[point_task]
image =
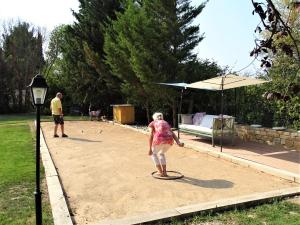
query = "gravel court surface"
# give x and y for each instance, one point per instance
(106, 173)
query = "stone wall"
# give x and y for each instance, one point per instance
(288, 139)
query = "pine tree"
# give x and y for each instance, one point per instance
(151, 42)
(83, 54)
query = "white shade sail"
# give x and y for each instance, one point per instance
(229, 81)
(179, 85)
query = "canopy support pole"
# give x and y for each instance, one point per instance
(235, 102)
(180, 107)
(222, 102)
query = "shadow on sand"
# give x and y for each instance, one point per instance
(82, 139)
(215, 183)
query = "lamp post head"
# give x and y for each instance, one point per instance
(39, 88)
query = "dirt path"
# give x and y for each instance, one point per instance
(105, 171)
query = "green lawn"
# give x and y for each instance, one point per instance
(17, 173)
(277, 213)
(23, 118)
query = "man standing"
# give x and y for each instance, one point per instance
(58, 117)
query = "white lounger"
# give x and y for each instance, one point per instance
(210, 126)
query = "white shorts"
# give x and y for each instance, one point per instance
(160, 149)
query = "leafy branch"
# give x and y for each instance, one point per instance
(273, 23)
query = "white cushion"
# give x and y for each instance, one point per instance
(207, 121)
(196, 128)
(225, 116)
(202, 129)
(187, 119)
(198, 118)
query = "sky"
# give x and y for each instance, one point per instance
(43, 13)
(228, 26)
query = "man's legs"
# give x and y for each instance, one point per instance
(55, 130)
(56, 122)
(62, 128)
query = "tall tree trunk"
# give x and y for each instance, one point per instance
(20, 98)
(12, 100)
(27, 99)
(174, 113)
(191, 105)
(148, 113)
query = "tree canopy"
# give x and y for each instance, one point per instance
(117, 51)
(78, 59)
(152, 42)
(278, 49)
(21, 57)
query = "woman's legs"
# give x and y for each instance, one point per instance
(160, 162)
(163, 163)
(157, 163)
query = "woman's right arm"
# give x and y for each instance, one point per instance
(150, 140)
(180, 144)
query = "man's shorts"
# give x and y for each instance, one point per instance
(58, 119)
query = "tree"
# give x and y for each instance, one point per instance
(55, 48)
(152, 41)
(54, 61)
(82, 53)
(279, 51)
(23, 56)
(4, 88)
(280, 22)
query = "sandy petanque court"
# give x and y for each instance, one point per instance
(106, 173)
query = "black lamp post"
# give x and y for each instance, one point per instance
(38, 87)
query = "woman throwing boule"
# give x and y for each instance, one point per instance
(161, 139)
